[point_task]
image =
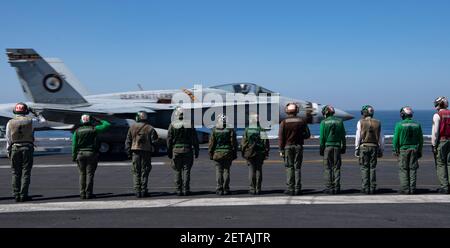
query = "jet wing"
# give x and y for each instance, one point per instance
(6, 110)
(112, 111)
(118, 111)
(100, 109)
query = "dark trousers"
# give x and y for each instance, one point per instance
(443, 164)
(408, 163)
(141, 167)
(255, 173)
(21, 164)
(368, 158)
(223, 175)
(182, 164)
(293, 162)
(87, 165)
(332, 167)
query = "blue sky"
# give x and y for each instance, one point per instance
(347, 53)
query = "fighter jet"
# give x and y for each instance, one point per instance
(55, 93)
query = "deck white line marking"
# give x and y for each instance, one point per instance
(214, 202)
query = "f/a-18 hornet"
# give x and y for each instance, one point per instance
(56, 94)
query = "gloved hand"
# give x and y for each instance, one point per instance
(322, 151)
(196, 154)
(357, 153)
(33, 111)
(434, 149)
(8, 151)
(282, 154)
(96, 120)
(343, 150)
(380, 153)
(211, 155)
(170, 154)
(419, 154)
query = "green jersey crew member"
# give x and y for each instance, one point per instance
(223, 150)
(20, 147)
(255, 149)
(440, 140)
(139, 146)
(332, 145)
(291, 135)
(182, 146)
(85, 151)
(407, 145)
(369, 146)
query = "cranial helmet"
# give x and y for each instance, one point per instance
(86, 119)
(221, 120)
(21, 109)
(178, 112)
(328, 110)
(141, 116)
(406, 112)
(367, 110)
(253, 119)
(441, 102)
(291, 108)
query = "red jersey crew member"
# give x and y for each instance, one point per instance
(440, 140)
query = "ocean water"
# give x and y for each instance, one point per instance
(388, 120)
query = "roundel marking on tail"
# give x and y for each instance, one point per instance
(52, 83)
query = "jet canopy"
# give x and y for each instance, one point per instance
(243, 88)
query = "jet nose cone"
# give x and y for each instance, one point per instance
(343, 115)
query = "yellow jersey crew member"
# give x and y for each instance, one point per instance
(440, 140)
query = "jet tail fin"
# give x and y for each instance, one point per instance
(42, 82)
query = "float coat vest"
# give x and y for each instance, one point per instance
(87, 138)
(21, 130)
(444, 125)
(370, 131)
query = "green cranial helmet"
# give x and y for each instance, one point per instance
(328, 110)
(406, 112)
(141, 116)
(367, 110)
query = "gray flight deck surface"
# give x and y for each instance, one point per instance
(54, 188)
